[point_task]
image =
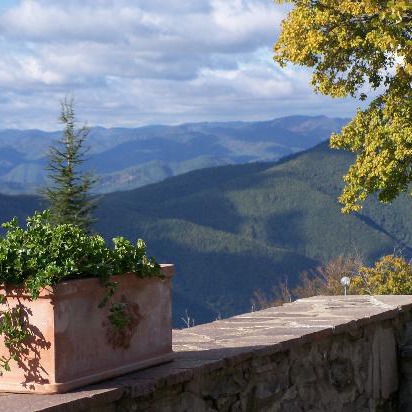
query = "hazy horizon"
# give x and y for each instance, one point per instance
(80, 123)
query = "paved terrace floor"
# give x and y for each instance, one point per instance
(207, 347)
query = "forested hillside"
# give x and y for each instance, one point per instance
(232, 230)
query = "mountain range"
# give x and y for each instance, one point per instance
(126, 159)
(232, 230)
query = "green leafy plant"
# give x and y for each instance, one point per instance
(44, 254)
(360, 49)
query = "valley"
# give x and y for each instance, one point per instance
(232, 230)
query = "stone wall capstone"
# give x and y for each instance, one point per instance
(326, 353)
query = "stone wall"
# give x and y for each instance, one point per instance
(350, 353)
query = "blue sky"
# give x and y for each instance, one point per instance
(135, 62)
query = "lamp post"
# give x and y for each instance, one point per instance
(345, 282)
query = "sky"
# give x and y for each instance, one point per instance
(137, 62)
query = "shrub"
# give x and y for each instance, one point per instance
(325, 280)
(45, 254)
(391, 275)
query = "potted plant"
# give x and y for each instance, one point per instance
(73, 311)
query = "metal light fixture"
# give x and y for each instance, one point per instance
(345, 282)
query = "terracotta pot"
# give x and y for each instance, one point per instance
(71, 341)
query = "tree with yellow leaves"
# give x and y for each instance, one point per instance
(391, 275)
(355, 48)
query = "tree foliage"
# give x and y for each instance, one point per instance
(358, 48)
(326, 279)
(391, 275)
(68, 192)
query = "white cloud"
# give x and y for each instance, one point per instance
(135, 61)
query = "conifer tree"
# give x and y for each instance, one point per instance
(68, 190)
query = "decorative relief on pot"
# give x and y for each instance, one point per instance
(122, 322)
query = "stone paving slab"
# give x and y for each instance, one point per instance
(319, 314)
(209, 347)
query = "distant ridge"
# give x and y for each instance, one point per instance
(127, 158)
